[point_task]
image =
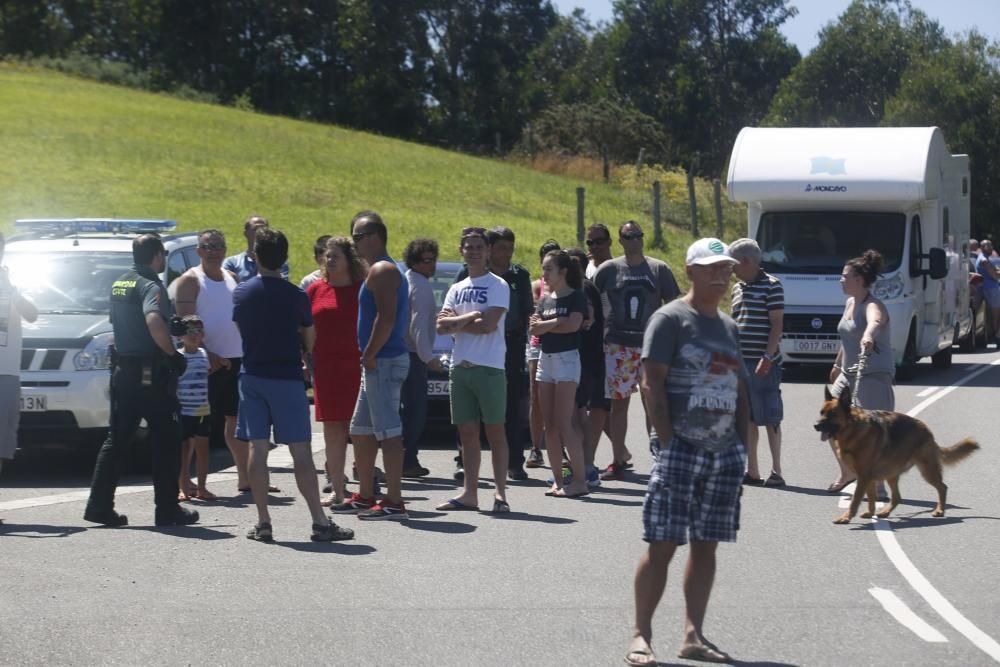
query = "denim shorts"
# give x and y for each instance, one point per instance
(531, 351)
(556, 367)
(766, 407)
(267, 402)
(377, 410)
(992, 297)
(693, 493)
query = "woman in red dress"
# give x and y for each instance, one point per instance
(336, 357)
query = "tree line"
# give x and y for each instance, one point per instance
(674, 78)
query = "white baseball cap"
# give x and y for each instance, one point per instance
(708, 251)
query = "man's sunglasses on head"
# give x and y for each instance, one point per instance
(213, 245)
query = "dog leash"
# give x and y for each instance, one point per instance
(858, 369)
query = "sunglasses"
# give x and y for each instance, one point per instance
(593, 242)
(192, 331)
(427, 260)
(212, 246)
(630, 237)
(473, 230)
(357, 237)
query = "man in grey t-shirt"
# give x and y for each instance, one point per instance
(632, 288)
(694, 385)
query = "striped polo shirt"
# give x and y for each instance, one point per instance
(192, 387)
(752, 303)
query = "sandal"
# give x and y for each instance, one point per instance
(752, 481)
(704, 653)
(775, 480)
(643, 652)
(331, 532)
(837, 488)
(500, 506)
(261, 533)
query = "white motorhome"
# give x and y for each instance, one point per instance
(817, 197)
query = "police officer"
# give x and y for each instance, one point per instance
(143, 385)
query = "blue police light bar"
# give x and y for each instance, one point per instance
(94, 225)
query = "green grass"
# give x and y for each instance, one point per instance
(76, 148)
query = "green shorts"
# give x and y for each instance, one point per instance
(478, 394)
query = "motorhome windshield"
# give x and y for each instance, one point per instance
(822, 241)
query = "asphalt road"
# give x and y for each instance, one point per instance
(551, 583)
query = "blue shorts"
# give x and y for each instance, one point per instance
(992, 297)
(693, 492)
(377, 410)
(267, 402)
(766, 407)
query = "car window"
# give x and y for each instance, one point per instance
(443, 278)
(191, 255)
(67, 282)
(176, 265)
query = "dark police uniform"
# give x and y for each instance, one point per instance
(142, 386)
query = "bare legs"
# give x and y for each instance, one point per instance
(335, 439)
(365, 452)
(774, 443)
(535, 421)
(651, 578)
(496, 436)
(305, 479)
(240, 450)
(558, 402)
(619, 428)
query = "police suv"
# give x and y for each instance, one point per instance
(66, 267)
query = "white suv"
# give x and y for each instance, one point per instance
(66, 268)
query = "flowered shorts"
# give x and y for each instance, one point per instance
(622, 370)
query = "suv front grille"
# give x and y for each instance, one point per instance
(48, 360)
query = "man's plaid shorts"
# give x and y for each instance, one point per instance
(693, 493)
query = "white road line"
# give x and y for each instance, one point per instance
(883, 529)
(277, 458)
(927, 392)
(902, 613)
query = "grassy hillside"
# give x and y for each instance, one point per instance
(78, 148)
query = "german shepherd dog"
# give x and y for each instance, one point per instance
(882, 445)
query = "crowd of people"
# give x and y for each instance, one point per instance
(592, 330)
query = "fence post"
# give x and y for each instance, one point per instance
(694, 204)
(657, 224)
(580, 193)
(717, 193)
(605, 164)
(498, 148)
(640, 161)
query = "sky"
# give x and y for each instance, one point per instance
(955, 16)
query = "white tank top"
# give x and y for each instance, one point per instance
(215, 308)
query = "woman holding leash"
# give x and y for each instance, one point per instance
(864, 362)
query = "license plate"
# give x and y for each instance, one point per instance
(437, 387)
(822, 346)
(34, 403)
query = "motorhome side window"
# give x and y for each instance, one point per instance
(820, 242)
(916, 246)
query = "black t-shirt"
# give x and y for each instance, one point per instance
(550, 307)
(592, 339)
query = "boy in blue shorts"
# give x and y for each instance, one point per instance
(275, 321)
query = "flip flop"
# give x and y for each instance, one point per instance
(557, 494)
(261, 533)
(704, 654)
(500, 506)
(837, 488)
(270, 489)
(208, 495)
(455, 505)
(644, 652)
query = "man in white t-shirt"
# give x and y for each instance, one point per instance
(598, 248)
(13, 308)
(474, 312)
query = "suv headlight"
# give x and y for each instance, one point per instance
(889, 288)
(95, 356)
